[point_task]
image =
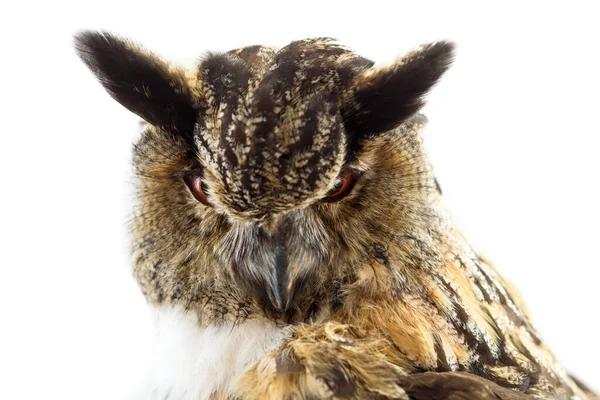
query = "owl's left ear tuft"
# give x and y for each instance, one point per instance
(379, 99)
(138, 80)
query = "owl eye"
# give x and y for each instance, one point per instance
(341, 189)
(198, 187)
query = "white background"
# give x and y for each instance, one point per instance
(513, 136)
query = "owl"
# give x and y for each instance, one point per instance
(291, 236)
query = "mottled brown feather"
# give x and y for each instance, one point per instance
(382, 295)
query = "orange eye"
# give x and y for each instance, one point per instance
(342, 189)
(198, 188)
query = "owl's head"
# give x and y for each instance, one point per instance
(269, 174)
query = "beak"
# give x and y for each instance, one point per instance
(267, 269)
(280, 277)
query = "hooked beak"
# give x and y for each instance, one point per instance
(272, 263)
(280, 277)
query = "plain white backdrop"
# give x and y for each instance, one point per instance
(513, 137)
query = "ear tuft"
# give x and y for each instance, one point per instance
(140, 81)
(382, 98)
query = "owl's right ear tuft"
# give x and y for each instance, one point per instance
(380, 99)
(138, 80)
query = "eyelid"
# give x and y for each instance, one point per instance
(348, 180)
(338, 181)
(197, 186)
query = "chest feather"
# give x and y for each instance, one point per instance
(191, 363)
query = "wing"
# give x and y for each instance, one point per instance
(338, 363)
(455, 386)
(421, 386)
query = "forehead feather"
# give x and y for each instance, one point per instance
(272, 133)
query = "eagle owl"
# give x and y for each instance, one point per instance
(290, 233)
